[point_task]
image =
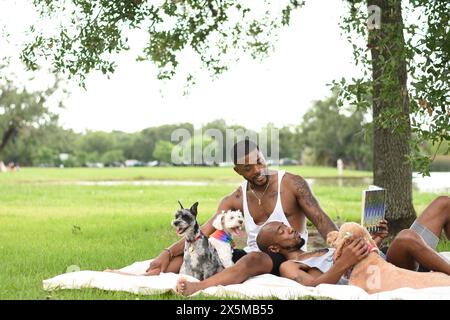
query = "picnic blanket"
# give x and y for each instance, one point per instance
(259, 287)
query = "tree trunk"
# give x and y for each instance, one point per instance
(391, 169)
(6, 137)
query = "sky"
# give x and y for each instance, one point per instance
(310, 54)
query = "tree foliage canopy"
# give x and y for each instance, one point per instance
(333, 135)
(217, 31)
(91, 31)
(22, 111)
(427, 55)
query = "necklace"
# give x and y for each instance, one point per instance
(254, 193)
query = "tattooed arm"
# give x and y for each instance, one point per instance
(311, 208)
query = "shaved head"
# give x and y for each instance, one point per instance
(266, 235)
(278, 237)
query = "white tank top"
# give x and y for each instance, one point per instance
(252, 229)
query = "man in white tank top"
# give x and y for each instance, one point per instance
(264, 196)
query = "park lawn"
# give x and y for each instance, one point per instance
(46, 227)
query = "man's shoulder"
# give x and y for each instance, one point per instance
(237, 192)
(293, 178)
(296, 183)
(235, 198)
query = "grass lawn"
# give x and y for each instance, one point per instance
(217, 174)
(46, 227)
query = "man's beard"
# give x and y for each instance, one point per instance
(255, 182)
(296, 246)
(265, 174)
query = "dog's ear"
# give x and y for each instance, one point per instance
(193, 209)
(218, 221)
(342, 242)
(180, 204)
(331, 238)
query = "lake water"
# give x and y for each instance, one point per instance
(142, 183)
(438, 182)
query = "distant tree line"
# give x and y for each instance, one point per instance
(31, 136)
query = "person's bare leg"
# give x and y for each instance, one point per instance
(408, 249)
(447, 230)
(250, 265)
(175, 264)
(436, 217)
(399, 251)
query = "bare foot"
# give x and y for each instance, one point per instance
(187, 288)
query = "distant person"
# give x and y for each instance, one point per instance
(340, 167)
(11, 166)
(3, 168)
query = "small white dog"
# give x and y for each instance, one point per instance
(227, 224)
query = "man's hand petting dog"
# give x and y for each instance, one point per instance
(353, 253)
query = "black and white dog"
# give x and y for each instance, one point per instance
(200, 259)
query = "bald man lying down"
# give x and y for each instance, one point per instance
(411, 248)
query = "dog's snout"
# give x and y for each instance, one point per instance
(241, 221)
(175, 222)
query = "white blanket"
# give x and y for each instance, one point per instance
(259, 287)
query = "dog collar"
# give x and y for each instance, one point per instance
(196, 238)
(222, 236)
(372, 248)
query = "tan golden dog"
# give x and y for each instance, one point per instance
(373, 273)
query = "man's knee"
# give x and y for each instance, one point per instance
(443, 202)
(407, 238)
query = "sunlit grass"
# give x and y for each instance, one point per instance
(46, 227)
